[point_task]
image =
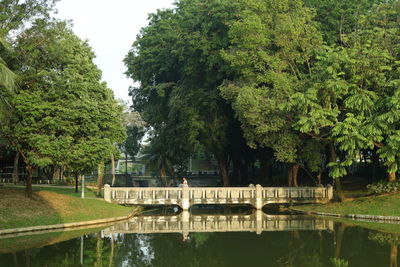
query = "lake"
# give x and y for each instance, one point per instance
(209, 237)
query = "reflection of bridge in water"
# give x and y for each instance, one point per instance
(186, 222)
(185, 197)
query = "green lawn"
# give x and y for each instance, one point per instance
(51, 205)
(386, 205)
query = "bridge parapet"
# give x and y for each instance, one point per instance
(185, 197)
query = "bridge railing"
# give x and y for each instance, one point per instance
(188, 196)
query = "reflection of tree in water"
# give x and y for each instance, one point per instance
(387, 239)
(302, 248)
(158, 249)
(67, 253)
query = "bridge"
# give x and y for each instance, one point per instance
(186, 196)
(185, 223)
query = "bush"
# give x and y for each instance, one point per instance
(384, 187)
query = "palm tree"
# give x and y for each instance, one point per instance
(159, 159)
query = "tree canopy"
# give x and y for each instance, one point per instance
(313, 81)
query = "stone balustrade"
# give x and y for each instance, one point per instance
(185, 197)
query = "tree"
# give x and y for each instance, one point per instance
(178, 63)
(338, 18)
(273, 47)
(63, 115)
(352, 98)
(17, 14)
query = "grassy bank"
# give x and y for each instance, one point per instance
(52, 205)
(385, 205)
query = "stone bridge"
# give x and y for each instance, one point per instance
(186, 223)
(186, 196)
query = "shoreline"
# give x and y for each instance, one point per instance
(360, 217)
(32, 229)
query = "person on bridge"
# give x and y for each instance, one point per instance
(184, 182)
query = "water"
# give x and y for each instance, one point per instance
(208, 239)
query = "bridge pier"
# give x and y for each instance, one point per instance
(107, 192)
(185, 198)
(259, 202)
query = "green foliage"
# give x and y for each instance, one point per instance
(272, 47)
(62, 114)
(384, 238)
(299, 78)
(337, 262)
(177, 61)
(15, 14)
(384, 187)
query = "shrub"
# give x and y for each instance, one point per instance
(384, 187)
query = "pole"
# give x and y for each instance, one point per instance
(126, 168)
(76, 182)
(83, 186)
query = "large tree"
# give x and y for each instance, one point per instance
(178, 63)
(62, 114)
(273, 48)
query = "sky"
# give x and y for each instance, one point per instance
(111, 28)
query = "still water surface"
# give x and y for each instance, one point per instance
(196, 239)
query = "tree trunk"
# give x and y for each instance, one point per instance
(100, 175)
(76, 182)
(15, 177)
(29, 170)
(295, 171)
(223, 168)
(339, 191)
(375, 164)
(392, 176)
(290, 178)
(61, 173)
(163, 174)
(393, 255)
(112, 170)
(319, 177)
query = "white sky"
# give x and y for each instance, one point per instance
(111, 27)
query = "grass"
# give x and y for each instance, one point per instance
(52, 205)
(386, 205)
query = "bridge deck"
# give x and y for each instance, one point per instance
(187, 196)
